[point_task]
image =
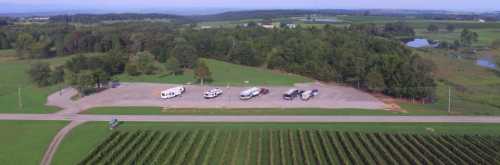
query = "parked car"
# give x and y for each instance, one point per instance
(212, 93)
(250, 93)
(306, 95)
(291, 94)
(172, 92)
(264, 91)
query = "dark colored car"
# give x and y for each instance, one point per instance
(291, 94)
(264, 91)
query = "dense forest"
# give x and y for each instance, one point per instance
(365, 60)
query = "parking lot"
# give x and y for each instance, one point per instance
(148, 95)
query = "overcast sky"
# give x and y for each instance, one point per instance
(346, 4)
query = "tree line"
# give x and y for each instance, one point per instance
(364, 60)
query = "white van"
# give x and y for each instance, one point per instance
(309, 94)
(250, 93)
(172, 92)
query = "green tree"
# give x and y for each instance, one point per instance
(433, 28)
(132, 69)
(24, 43)
(57, 75)
(4, 41)
(450, 28)
(467, 37)
(185, 54)
(172, 65)
(375, 81)
(145, 62)
(202, 72)
(40, 73)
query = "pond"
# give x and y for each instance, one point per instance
(486, 62)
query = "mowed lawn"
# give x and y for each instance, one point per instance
(17, 93)
(223, 73)
(24, 142)
(82, 140)
(251, 111)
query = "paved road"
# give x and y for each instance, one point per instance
(315, 119)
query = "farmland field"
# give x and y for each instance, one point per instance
(486, 35)
(290, 146)
(80, 142)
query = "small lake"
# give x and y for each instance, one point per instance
(486, 63)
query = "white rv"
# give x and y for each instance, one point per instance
(250, 93)
(212, 93)
(172, 92)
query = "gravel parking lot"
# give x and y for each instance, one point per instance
(148, 94)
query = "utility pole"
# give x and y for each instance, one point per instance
(449, 99)
(19, 98)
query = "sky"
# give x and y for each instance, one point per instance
(462, 5)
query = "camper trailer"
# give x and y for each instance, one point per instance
(250, 93)
(309, 94)
(292, 93)
(212, 93)
(172, 92)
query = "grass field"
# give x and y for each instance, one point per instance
(243, 143)
(475, 90)
(296, 111)
(24, 142)
(224, 73)
(14, 77)
(486, 35)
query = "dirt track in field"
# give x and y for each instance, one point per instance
(147, 94)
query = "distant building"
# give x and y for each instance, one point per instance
(291, 25)
(206, 27)
(38, 19)
(267, 23)
(481, 21)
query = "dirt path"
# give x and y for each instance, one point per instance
(51, 150)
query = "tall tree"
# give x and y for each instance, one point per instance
(433, 28)
(24, 43)
(202, 72)
(40, 73)
(185, 54)
(172, 65)
(467, 37)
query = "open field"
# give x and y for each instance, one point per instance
(14, 77)
(263, 143)
(475, 90)
(486, 35)
(224, 73)
(24, 142)
(145, 94)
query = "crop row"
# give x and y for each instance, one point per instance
(290, 147)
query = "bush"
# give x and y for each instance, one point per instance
(132, 69)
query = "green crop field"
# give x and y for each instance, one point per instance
(24, 142)
(81, 142)
(224, 73)
(290, 146)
